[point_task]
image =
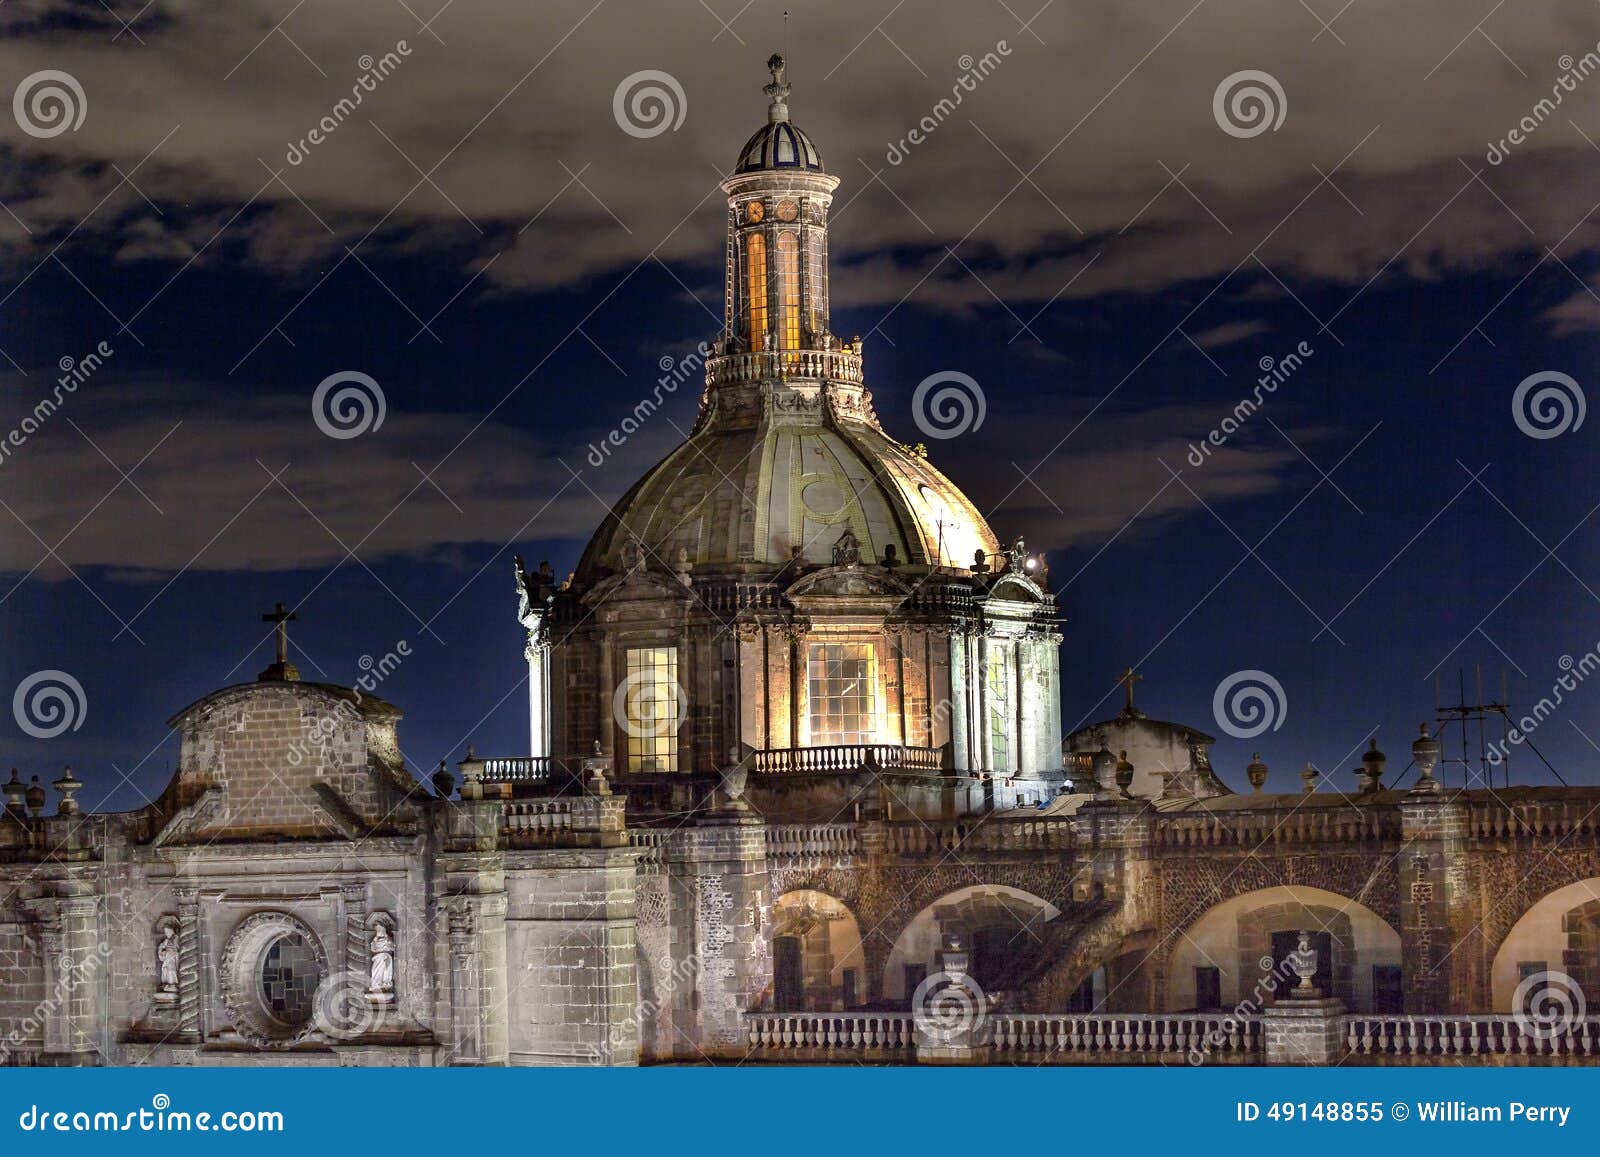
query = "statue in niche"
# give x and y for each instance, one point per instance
(632, 556)
(381, 946)
(167, 960)
(847, 550)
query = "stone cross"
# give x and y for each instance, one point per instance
(1127, 680)
(281, 617)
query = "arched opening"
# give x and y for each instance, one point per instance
(755, 294)
(1237, 953)
(817, 962)
(1559, 934)
(1002, 930)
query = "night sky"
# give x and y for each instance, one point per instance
(1081, 235)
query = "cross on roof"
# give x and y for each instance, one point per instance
(1127, 680)
(281, 616)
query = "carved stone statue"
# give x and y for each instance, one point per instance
(382, 973)
(847, 550)
(167, 959)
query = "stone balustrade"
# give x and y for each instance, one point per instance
(762, 365)
(918, 838)
(513, 769)
(1533, 819)
(812, 843)
(1423, 1037)
(535, 821)
(1112, 1038)
(890, 1035)
(842, 759)
(650, 843)
(1251, 830)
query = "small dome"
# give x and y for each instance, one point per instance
(779, 145)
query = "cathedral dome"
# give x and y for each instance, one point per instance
(793, 480)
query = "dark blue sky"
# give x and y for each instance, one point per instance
(1426, 555)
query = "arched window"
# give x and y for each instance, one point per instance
(789, 289)
(756, 287)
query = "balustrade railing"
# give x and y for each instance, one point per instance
(514, 769)
(1533, 819)
(649, 842)
(1243, 829)
(917, 837)
(861, 1032)
(758, 365)
(1116, 1036)
(532, 821)
(1470, 1036)
(812, 841)
(844, 758)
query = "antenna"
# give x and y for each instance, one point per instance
(1466, 715)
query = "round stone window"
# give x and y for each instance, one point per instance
(272, 967)
(289, 978)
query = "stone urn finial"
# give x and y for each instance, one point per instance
(68, 787)
(1371, 773)
(36, 797)
(1124, 774)
(735, 778)
(16, 791)
(1425, 754)
(1308, 777)
(1257, 772)
(1304, 960)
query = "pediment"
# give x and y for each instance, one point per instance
(848, 582)
(1017, 588)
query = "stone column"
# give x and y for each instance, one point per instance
(960, 642)
(474, 913)
(1435, 907)
(720, 911)
(191, 956)
(66, 929)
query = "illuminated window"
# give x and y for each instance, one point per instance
(843, 680)
(756, 287)
(999, 701)
(651, 708)
(789, 288)
(817, 281)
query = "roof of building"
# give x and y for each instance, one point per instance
(779, 145)
(754, 493)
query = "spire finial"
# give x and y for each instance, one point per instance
(778, 90)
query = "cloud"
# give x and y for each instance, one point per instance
(1227, 334)
(1580, 313)
(250, 483)
(503, 135)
